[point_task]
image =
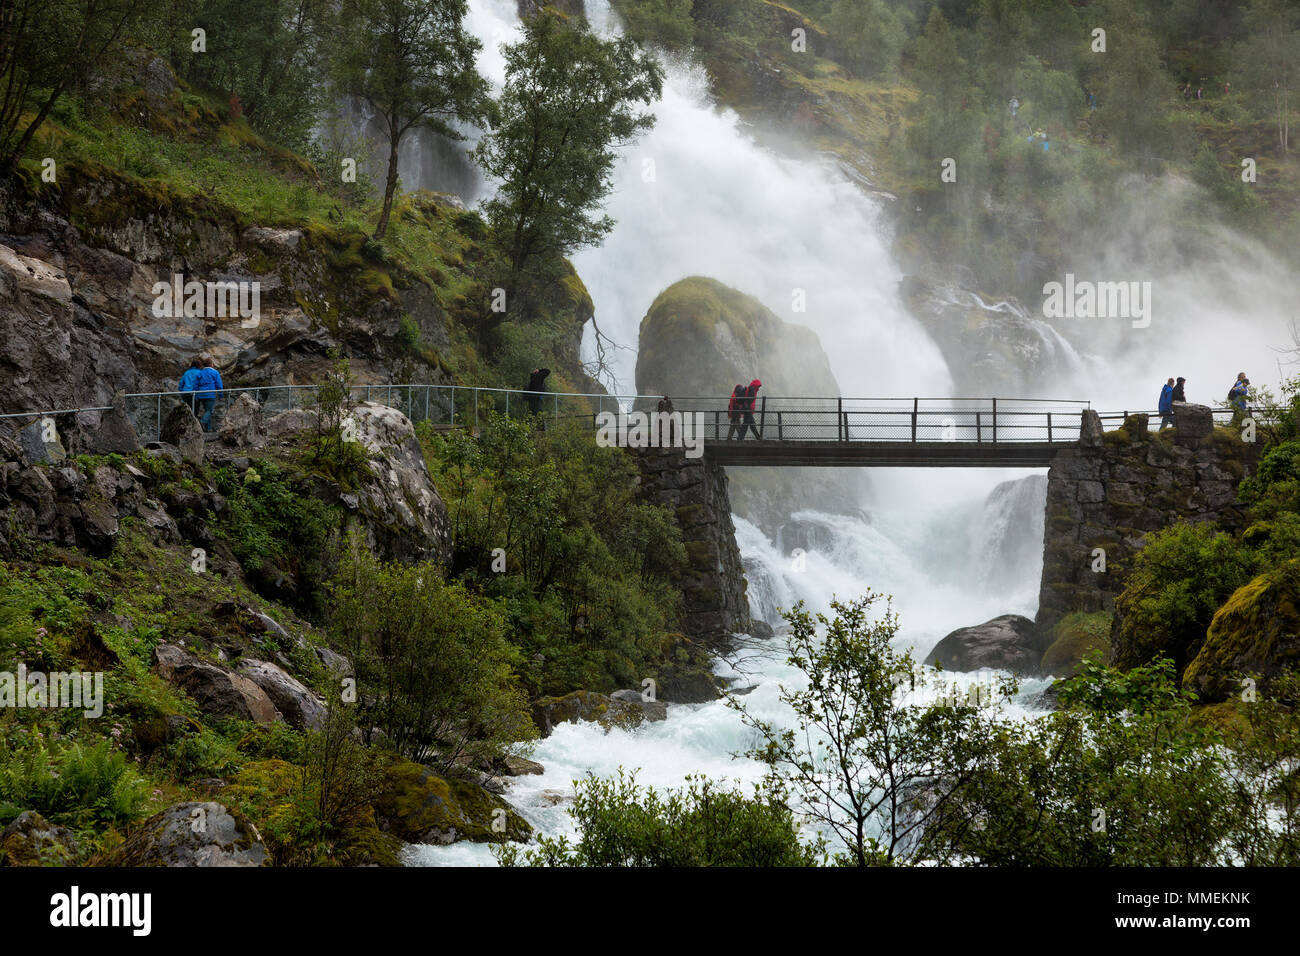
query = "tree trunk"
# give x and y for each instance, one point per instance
(390, 186)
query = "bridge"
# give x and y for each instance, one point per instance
(822, 432)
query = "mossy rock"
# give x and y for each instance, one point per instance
(1255, 634)
(1226, 719)
(418, 806)
(1074, 638)
(30, 841)
(584, 705)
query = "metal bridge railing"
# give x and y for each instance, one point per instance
(773, 418)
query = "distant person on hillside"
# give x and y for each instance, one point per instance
(1237, 398)
(1179, 396)
(1166, 406)
(537, 383)
(751, 396)
(189, 382)
(207, 388)
(735, 413)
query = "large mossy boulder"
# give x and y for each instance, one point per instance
(418, 806)
(590, 706)
(701, 338)
(1256, 634)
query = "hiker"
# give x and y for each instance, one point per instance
(1166, 406)
(207, 388)
(189, 382)
(1179, 395)
(1237, 398)
(665, 407)
(537, 383)
(751, 396)
(735, 410)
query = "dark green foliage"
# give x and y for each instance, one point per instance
(434, 671)
(412, 61)
(702, 825)
(1182, 575)
(74, 784)
(569, 100)
(585, 571)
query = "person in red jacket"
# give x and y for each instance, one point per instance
(735, 408)
(751, 396)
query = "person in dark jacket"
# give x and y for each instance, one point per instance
(1179, 395)
(735, 412)
(537, 383)
(751, 396)
(1166, 406)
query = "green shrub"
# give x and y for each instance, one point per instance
(77, 785)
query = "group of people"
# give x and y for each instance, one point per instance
(1173, 391)
(201, 383)
(740, 410)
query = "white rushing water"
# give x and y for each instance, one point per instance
(953, 548)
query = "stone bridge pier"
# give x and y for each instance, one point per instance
(1108, 492)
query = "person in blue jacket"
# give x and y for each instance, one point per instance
(1237, 397)
(1166, 406)
(189, 382)
(209, 386)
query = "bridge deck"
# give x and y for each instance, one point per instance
(956, 454)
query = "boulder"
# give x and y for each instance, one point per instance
(182, 429)
(243, 426)
(1255, 634)
(651, 710)
(218, 692)
(1009, 642)
(418, 806)
(31, 841)
(300, 707)
(588, 705)
(115, 434)
(192, 834)
(519, 767)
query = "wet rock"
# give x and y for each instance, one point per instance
(1009, 642)
(651, 710)
(35, 449)
(519, 767)
(1192, 423)
(193, 834)
(243, 425)
(419, 806)
(587, 705)
(115, 434)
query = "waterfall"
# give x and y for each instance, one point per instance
(952, 547)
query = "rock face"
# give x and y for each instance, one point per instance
(1009, 642)
(714, 586)
(1110, 494)
(992, 347)
(192, 834)
(218, 692)
(1256, 634)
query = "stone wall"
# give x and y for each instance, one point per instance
(714, 585)
(1117, 486)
